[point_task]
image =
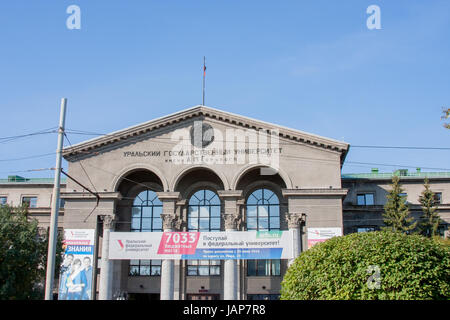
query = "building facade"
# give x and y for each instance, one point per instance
(204, 169)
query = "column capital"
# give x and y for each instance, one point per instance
(171, 221)
(231, 221)
(231, 214)
(108, 221)
(294, 219)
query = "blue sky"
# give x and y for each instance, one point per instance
(308, 65)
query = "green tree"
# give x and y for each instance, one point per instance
(429, 221)
(380, 265)
(396, 214)
(23, 255)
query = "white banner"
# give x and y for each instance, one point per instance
(233, 245)
(316, 235)
(75, 279)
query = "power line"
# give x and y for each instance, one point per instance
(284, 155)
(81, 165)
(396, 165)
(41, 132)
(90, 181)
(401, 147)
(81, 132)
(29, 157)
(326, 160)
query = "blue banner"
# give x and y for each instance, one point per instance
(235, 254)
(78, 249)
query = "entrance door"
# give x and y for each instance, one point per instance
(203, 296)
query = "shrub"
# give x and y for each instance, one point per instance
(410, 267)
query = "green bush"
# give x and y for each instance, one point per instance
(23, 255)
(410, 267)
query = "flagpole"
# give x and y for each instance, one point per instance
(204, 74)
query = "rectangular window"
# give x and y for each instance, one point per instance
(404, 195)
(203, 267)
(365, 199)
(145, 268)
(438, 197)
(31, 202)
(263, 267)
(365, 229)
(3, 201)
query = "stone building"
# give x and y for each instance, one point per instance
(203, 169)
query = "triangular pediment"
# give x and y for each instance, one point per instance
(121, 136)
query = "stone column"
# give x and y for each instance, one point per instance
(232, 219)
(294, 221)
(106, 272)
(171, 222)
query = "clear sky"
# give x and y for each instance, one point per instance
(308, 65)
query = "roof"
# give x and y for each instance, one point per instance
(20, 180)
(388, 175)
(212, 113)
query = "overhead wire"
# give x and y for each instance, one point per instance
(81, 132)
(41, 132)
(90, 181)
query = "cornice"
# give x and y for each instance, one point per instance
(314, 192)
(87, 195)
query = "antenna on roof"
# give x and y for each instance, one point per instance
(204, 75)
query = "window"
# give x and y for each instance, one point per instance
(146, 217)
(365, 229)
(441, 229)
(3, 201)
(30, 202)
(438, 197)
(365, 199)
(263, 267)
(263, 210)
(263, 213)
(204, 211)
(203, 267)
(145, 267)
(203, 215)
(146, 212)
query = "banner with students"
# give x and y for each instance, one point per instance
(231, 245)
(75, 278)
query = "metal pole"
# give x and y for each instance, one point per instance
(204, 75)
(51, 254)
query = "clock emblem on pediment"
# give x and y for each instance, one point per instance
(202, 134)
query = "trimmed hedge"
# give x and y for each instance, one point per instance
(410, 267)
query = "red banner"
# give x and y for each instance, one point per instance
(178, 242)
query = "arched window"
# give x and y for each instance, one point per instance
(203, 215)
(146, 212)
(204, 211)
(263, 210)
(146, 217)
(263, 214)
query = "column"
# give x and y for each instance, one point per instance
(294, 223)
(171, 222)
(106, 274)
(232, 218)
